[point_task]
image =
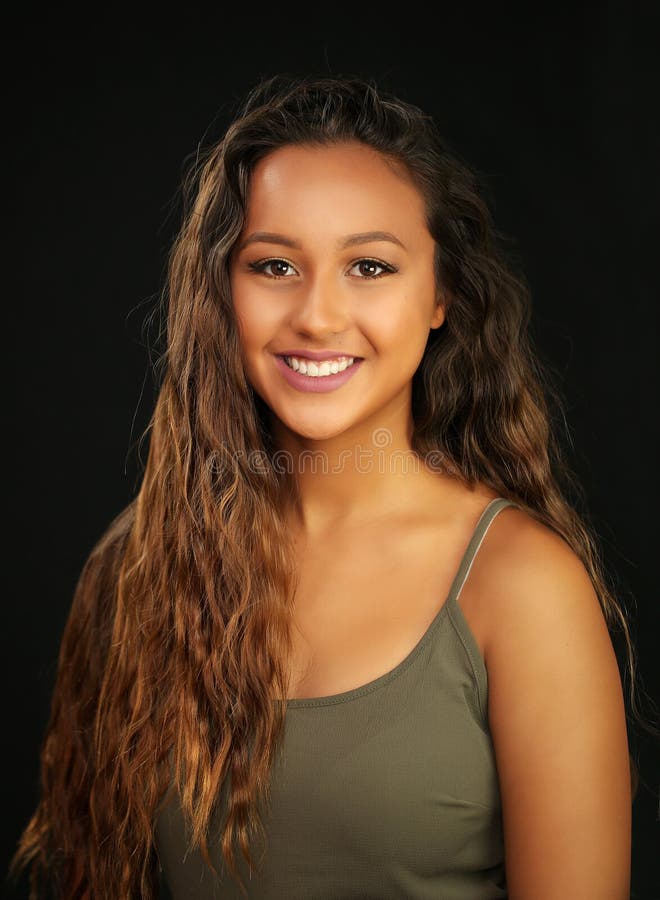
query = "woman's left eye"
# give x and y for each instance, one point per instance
(367, 267)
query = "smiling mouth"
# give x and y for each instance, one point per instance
(319, 368)
(336, 356)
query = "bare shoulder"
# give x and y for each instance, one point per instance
(529, 571)
(556, 715)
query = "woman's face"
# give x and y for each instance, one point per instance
(335, 257)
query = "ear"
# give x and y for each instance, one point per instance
(438, 314)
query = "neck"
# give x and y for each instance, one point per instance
(365, 474)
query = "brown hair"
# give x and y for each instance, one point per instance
(177, 637)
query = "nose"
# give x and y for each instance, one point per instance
(322, 308)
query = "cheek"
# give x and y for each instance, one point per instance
(399, 332)
(251, 314)
(402, 320)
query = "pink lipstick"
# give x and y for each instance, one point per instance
(320, 384)
(317, 355)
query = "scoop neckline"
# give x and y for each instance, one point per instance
(382, 680)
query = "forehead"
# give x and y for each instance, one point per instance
(342, 187)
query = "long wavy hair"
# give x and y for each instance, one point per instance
(172, 664)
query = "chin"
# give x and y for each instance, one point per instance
(316, 434)
(315, 431)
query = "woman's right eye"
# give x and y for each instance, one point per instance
(272, 268)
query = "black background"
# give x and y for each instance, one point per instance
(555, 109)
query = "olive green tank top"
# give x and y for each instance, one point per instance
(389, 790)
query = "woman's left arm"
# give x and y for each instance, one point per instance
(557, 718)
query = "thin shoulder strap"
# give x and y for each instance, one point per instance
(479, 533)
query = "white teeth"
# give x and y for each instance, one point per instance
(319, 370)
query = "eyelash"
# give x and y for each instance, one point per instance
(261, 265)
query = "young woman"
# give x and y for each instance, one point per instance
(350, 639)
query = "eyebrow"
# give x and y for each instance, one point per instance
(364, 237)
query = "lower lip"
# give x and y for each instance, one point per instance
(320, 384)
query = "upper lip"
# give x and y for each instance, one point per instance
(318, 355)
